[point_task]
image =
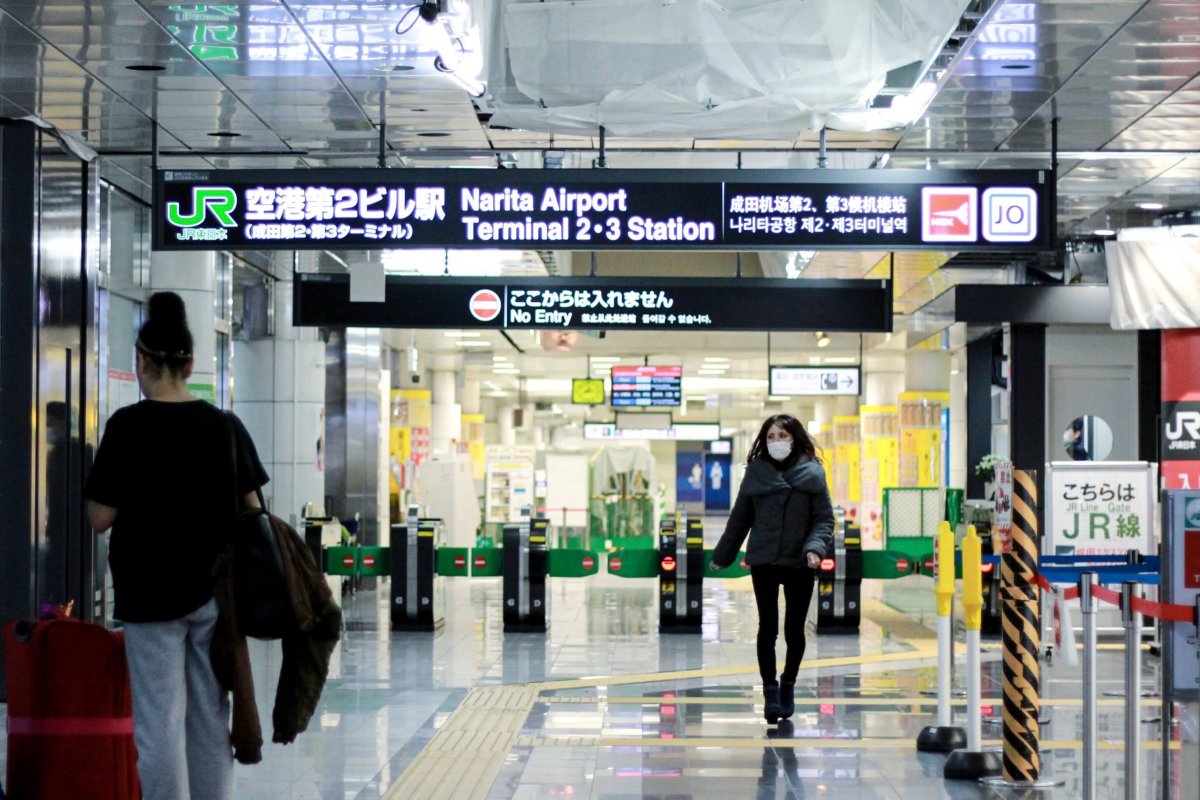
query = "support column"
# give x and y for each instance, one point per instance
(927, 371)
(883, 388)
(447, 413)
(508, 434)
(979, 410)
(279, 393)
(1027, 402)
(192, 277)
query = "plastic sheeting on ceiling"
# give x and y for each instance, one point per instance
(764, 69)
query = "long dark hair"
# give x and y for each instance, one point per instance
(164, 339)
(802, 443)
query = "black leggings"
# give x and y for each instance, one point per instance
(797, 585)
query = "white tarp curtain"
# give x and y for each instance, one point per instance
(610, 463)
(1154, 279)
(698, 68)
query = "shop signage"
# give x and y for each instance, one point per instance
(666, 304)
(1101, 508)
(815, 381)
(679, 432)
(376, 209)
(1002, 535)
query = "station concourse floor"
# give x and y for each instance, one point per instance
(602, 706)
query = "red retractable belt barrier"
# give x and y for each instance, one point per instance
(70, 713)
(1171, 612)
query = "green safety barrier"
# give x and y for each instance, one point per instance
(734, 570)
(888, 564)
(454, 561)
(573, 563)
(341, 561)
(487, 562)
(633, 563)
(374, 561)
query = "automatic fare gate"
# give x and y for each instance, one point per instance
(417, 589)
(681, 574)
(525, 599)
(839, 582)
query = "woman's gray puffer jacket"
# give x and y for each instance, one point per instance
(787, 515)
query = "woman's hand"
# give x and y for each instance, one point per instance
(744, 565)
(812, 559)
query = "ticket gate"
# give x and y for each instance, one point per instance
(839, 582)
(417, 590)
(680, 574)
(526, 565)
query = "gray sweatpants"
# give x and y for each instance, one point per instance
(180, 713)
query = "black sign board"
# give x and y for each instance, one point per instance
(666, 304)
(603, 209)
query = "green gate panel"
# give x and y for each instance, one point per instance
(341, 561)
(487, 562)
(573, 563)
(887, 564)
(734, 570)
(375, 561)
(454, 561)
(633, 563)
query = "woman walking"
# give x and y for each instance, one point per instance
(168, 477)
(783, 503)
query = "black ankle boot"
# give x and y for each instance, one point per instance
(771, 705)
(787, 699)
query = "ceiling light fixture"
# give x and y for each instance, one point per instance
(1104, 232)
(472, 343)
(146, 67)
(823, 339)
(1151, 206)
(717, 359)
(225, 134)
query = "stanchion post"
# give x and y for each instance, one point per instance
(944, 737)
(1133, 687)
(1087, 604)
(972, 763)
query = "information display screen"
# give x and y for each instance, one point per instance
(602, 209)
(646, 386)
(587, 391)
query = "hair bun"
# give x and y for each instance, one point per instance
(167, 309)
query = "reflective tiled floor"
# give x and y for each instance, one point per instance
(604, 707)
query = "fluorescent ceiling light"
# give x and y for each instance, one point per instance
(717, 359)
(1104, 232)
(841, 360)
(1151, 206)
(779, 398)
(472, 343)
(462, 334)
(499, 357)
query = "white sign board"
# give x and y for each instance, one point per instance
(815, 380)
(1002, 530)
(1100, 507)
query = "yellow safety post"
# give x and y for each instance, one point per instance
(943, 737)
(972, 763)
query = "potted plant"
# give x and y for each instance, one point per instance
(986, 469)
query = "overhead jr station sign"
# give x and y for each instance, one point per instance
(609, 209)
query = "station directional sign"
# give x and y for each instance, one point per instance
(602, 209)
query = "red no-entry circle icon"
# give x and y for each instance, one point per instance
(614, 564)
(480, 562)
(901, 565)
(347, 561)
(484, 305)
(588, 563)
(368, 561)
(459, 562)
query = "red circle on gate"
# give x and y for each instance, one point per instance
(929, 563)
(484, 305)
(901, 565)
(368, 561)
(480, 562)
(588, 563)
(459, 562)
(614, 564)
(347, 561)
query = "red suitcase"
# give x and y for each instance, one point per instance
(70, 714)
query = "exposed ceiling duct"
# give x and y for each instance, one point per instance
(743, 68)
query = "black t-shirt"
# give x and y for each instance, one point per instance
(168, 470)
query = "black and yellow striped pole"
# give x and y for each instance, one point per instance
(1021, 764)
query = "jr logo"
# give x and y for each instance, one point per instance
(221, 200)
(1184, 422)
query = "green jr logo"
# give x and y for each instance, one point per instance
(221, 200)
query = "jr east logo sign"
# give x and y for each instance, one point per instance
(1181, 431)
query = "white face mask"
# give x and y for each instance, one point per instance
(779, 450)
